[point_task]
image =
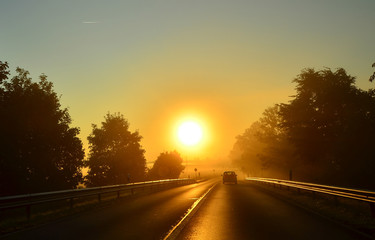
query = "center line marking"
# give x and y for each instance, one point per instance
(173, 233)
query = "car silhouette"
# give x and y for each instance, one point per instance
(229, 177)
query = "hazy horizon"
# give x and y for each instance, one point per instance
(160, 62)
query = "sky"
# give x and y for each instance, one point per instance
(220, 63)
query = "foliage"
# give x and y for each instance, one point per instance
(115, 153)
(325, 133)
(264, 146)
(246, 150)
(372, 77)
(331, 123)
(168, 165)
(3, 71)
(278, 152)
(38, 149)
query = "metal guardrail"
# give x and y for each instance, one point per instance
(29, 200)
(354, 194)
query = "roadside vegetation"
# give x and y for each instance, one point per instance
(40, 151)
(325, 134)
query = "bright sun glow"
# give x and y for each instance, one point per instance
(189, 133)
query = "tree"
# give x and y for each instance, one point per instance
(168, 165)
(372, 77)
(331, 123)
(264, 147)
(278, 153)
(246, 150)
(38, 149)
(314, 117)
(3, 71)
(115, 153)
(325, 133)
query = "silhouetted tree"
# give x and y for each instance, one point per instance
(3, 71)
(279, 151)
(331, 124)
(372, 77)
(325, 133)
(167, 166)
(115, 153)
(38, 149)
(246, 150)
(264, 147)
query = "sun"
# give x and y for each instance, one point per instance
(189, 133)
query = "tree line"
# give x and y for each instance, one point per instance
(40, 151)
(324, 134)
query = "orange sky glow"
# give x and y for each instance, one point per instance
(221, 63)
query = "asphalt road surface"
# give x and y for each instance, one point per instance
(228, 212)
(246, 212)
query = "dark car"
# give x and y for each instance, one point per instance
(229, 177)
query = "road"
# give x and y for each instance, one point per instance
(245, 212)
(228, 212)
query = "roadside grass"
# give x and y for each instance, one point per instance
(350, 213)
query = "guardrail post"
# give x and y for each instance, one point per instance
(372, 208)
(118, 194)
(71, 203)
(132, 191)
(99, 197)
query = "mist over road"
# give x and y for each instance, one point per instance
(239, 211)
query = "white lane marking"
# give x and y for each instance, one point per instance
(173, 233)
